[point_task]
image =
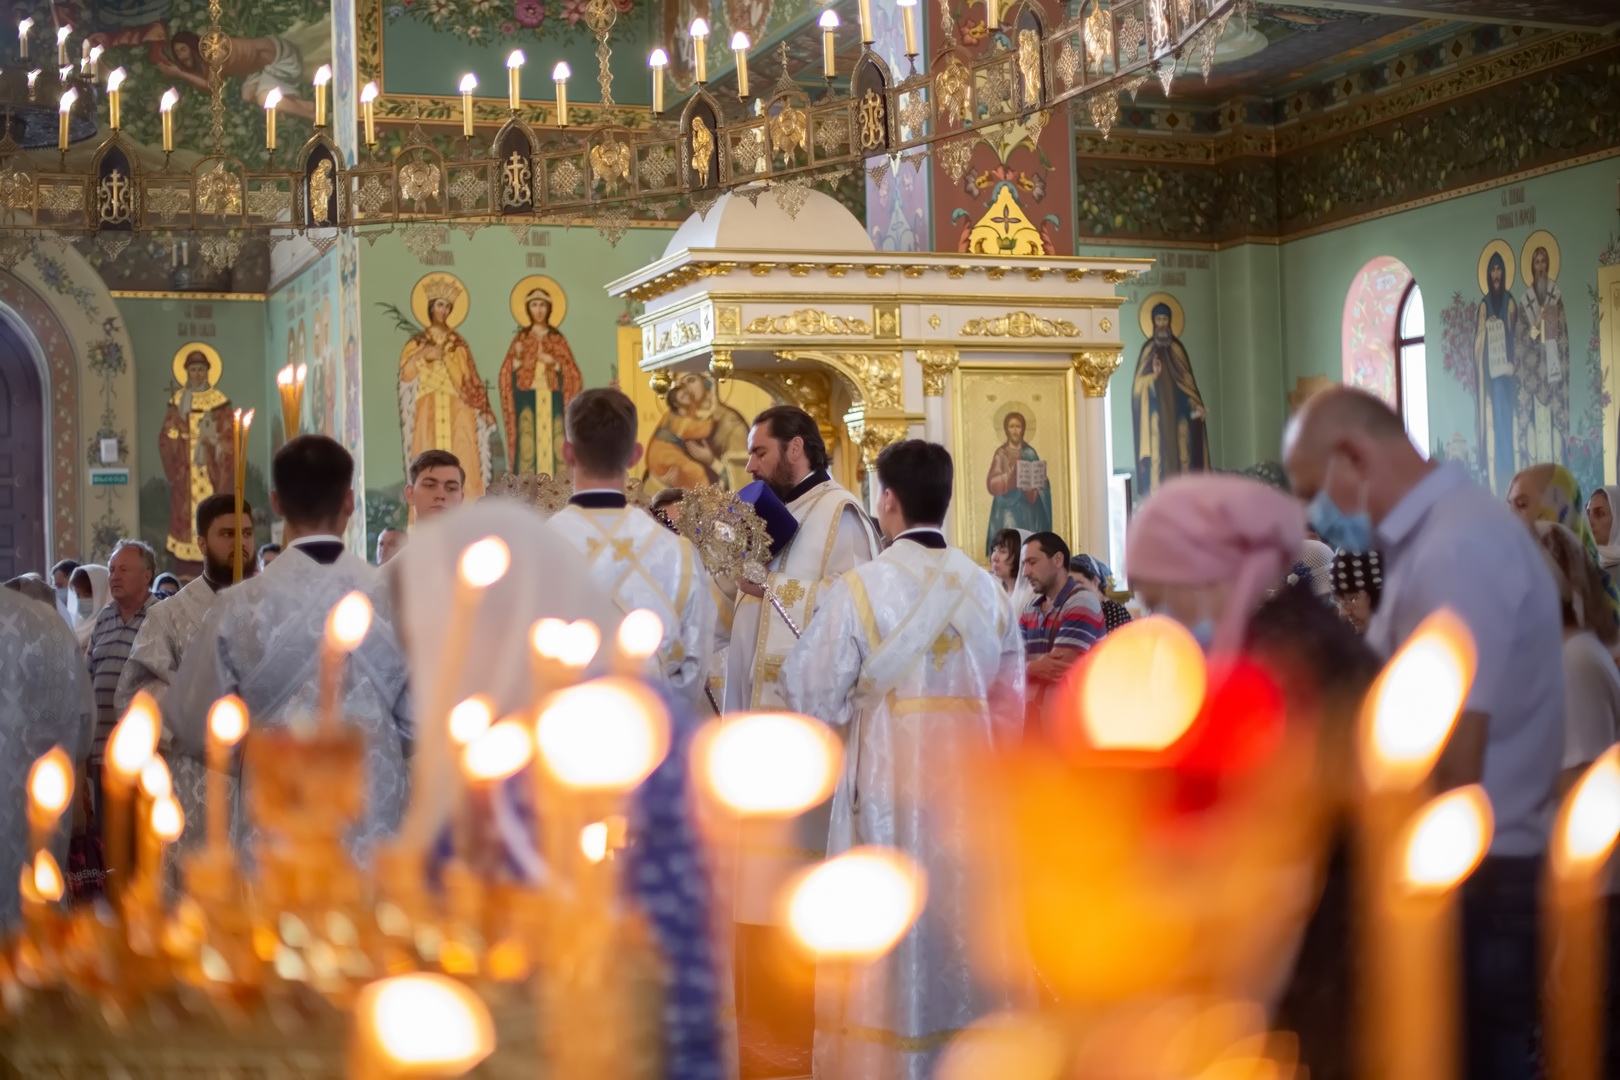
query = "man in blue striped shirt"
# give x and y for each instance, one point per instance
(129, 577)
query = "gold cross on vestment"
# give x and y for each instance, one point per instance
(790, 592)
(947, 643)
(593, 548)
(623, 549)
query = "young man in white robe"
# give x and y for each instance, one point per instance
(262, 639)
(48, 703)
(639, 562)
(917, 659)
(169, 627)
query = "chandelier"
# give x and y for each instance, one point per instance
(784, 138)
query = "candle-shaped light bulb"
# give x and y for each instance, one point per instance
(166, 110)
(92, 58)
(63, 72)
(69, 96)
(115, 80)
(23, 29)
(559, 75)
(469, 83)
(829, 27)
(658, 61)
(992, 14)
(368, 109)
(865, 10)
(62, 33)
(323, 75)
(514, 80)
(271, 100)
(739, 49)
(700, 49)
(48, 881)
(908, 17)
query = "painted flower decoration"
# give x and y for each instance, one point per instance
(438, 9)
(529, 12)
(573, 11)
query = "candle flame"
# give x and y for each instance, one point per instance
(323, 74)
(1447, 839)
(546, 635)
(69, 96)
(48, 881)
(1591, 818)
(485, 562)
(603, 735)
(50, 782)
(170, 97)
(577, 646)
(247, 419)
(155, 779)
(469, 83)
(303, 371)
(272, 99)
(115, 79)
(135, 738)
(168, 820)
(658, 58)
(640, 634)
(700, 28)
(768, 764)
(284, 377)
(424, 1024)
(1144, 686)
(499, 752)
(593, 841)
(1414, 704)
(349, 621)
(515, 58)
(369, 93)
(739, 42)
(228, 720)
(829, 20)
(857, 905)
(561, 72)
(471, 719)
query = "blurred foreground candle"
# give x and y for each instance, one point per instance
(346, 628)
(908, 16)
(47, 878)
(271, 101)
(115, 115)
(605, 735)
(421, 1025)
(469, 83)
(640, 634)
(368, 110)
(65, 111)
(514, 79)
(739, 49)
(767, 764)
(129, 748)
(323, 75)
(1573, 925)
(471, 719)
(829, 44)
(166, 111)
(700, 49)
(854, 907)
(658, 61)
(227, 723)
(559, 75)
(500, 751)
(50, 789)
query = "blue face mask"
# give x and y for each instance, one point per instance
(1203, 632)
(84, 606)
(1339, 530)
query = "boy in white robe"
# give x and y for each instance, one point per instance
(262, 639)
(639, 562)
(917, 658)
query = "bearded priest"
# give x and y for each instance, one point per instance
(917, 658)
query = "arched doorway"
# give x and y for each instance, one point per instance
(22, 459)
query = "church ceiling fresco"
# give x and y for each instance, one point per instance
(1572, 13)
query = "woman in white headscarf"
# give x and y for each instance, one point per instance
(1601, 509)
(92, 592)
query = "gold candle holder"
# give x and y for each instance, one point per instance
(115, 116)
(559, 75)
(700, 49)
(739, 49)
(166, 111)
(323, 75)
(368, 109)
(829, 27)
(469, 83)
(658, 61)
(514, 80)
(64, 115)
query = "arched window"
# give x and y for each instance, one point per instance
(1411, 368)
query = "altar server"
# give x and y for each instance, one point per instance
(917, 656)
(262, 639)
(834, 535)
(161, 643)
(636, 560)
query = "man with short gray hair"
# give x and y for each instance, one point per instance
(130, 571)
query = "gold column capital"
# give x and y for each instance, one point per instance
(877, 434)
(936, 364)
(1095, 366)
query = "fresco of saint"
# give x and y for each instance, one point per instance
(1500, 335)
(1546, 355)
(1168, 421)
(442, 402)
(1017, 502)
(538, 378)
(696, 439)
(195, 445)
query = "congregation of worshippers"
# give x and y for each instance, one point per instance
(919, 657)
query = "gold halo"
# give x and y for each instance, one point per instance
(1021, 409)
(1144, 313)
(1539, 238)
(1509, 263)
(207, 350)
(520, 295)
(419, 300)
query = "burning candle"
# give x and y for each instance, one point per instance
(346, 627)
(23, 28)
(115, 80)
(368, 108)
(392, 1038)
(166, 110)
(856, 906)
(829, 27)
(62, 33)
(739, 50)
(50, 789)
(700, 49)
(469, 83)
(514, 80)
(658, 61)
(323, 75)
(47, 878)
(290, 385)
(772, 765)
(499, 752)
(865, 8)
(131, 746)
(94, 59)
(471, 719)
(605, 735)
(1574, 924)
(639, 636)
(227, 723)
(271, 100)
(64, 114)
(559, 75)
(243, 421)
(908, 17)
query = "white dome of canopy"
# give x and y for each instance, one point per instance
(822, 224)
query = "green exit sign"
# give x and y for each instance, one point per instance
(109, 477)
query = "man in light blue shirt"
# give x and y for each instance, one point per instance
(1446, 542)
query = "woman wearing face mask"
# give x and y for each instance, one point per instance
(92, 592)
(1600, 511)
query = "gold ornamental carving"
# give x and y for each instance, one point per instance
(936, 364)
(702, 148)
(681, 333)
(1019, 324)
(871, 118)
(727, 318)
(809, 390)
(875, 377)
(660, 381)
(886, 317)
(811, 322)
(720, 365)
(1094, 368)
(876, 435)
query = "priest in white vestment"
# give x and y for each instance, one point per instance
(262, 639)
(917, 658)
(633, 557)
(161, 643)
(45, 701)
